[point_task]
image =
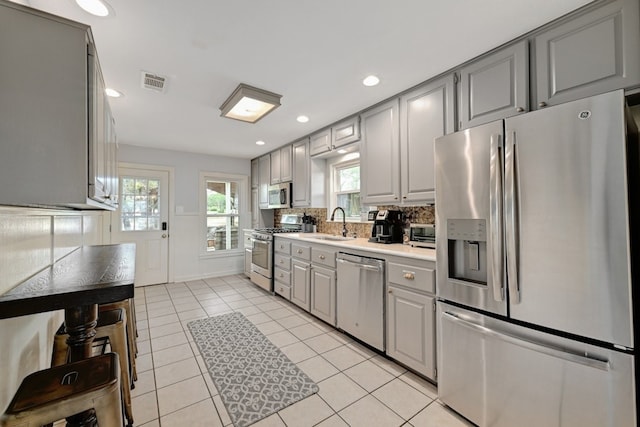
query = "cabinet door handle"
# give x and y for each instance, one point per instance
(390, 291)
(542, 104)
(409, 275)
(519, 109)
(299, 251)
(321, 257)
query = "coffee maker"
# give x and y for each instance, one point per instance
(387, 227)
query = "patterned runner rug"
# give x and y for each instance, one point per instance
(254, 378)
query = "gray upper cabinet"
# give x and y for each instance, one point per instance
(380, 155)
(324, 142)
(308, 177)
(425, 114)
(254, 173)
(494, 87)
(286, 166)
(320, 142)
(264, 179)
(301, 187)
(58, 141)
(593, 53)
(281, 168)
(345, 132)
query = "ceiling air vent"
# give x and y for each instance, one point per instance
(154, 82)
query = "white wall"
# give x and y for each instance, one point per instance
(185, 227)
(30, 240)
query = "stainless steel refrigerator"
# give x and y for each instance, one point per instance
(534, 265)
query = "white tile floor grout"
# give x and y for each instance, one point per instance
(358, 387)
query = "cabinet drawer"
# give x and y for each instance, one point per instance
(301, 252)
(282, 246)
(419, 278)
(323, 257)
(282, 290)
(282, 261)
(282, 276)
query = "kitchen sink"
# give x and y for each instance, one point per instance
(330, 237)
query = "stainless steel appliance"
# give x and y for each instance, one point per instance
(422, 235)
(360, 298)
(387, 227)
(280, 196)
(262, 249)
(533, 268)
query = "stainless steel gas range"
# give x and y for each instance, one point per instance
(262, 249)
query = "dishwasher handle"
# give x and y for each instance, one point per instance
(375, 265)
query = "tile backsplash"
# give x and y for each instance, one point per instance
(414, 214)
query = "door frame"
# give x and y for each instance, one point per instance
(170, 205)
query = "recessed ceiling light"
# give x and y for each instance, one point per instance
(370, 80)
(113, 93)
(260, 142)
(94, 7)
(302, 119)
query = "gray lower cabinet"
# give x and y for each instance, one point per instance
(495, 86)
(411, 332)
(323, 283)
(282, 267)
(590, 54)
(323, 294)
(301, 275)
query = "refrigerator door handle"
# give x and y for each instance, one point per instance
(495, 217)
(511, 227)
(561, 353)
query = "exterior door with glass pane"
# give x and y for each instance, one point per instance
(142, 218)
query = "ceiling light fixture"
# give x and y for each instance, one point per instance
(94, 7)
(302, 119)
(113, 93)
(370, 80)
(260, 142)
(249, 104)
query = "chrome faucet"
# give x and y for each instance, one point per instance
(344, 220)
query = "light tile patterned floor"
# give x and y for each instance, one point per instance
(358, 387)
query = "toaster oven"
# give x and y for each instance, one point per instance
(422, 235)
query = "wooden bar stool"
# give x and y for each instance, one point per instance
(62, 391)
(132, 333)
(111, 325)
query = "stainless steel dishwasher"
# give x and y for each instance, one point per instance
(360, 298)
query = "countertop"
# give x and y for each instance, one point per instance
(397, 249)
(88, 275)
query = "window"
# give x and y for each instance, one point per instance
(140, 210)
(345, 188)
(223, 200)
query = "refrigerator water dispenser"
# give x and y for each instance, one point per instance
(467, 240)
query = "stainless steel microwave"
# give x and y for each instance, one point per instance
(280, 196)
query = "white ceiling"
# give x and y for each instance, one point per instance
(314, 53)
